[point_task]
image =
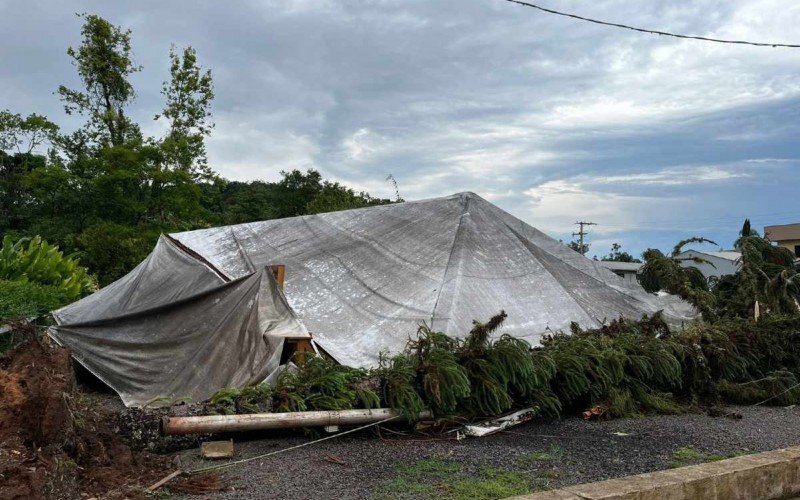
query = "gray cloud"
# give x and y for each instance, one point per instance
(452, 95)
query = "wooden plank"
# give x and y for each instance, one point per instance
(279, 271)
(165, 480)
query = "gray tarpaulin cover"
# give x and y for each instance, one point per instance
(173, 328)
(362, 280)
(201, 313)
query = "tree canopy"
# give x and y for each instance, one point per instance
(105, 192)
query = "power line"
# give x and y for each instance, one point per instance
(654, 32)
(710, 220)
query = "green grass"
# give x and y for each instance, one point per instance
(492, 484)
(690, 456)
(431, 468)
(528, 459)
(444, 479)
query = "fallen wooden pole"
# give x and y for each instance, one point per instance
(209, 424)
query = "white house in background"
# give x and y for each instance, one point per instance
(724, 263)
(625, 270)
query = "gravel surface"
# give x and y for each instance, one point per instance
(572, 451)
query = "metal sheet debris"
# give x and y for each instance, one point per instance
(498, 424)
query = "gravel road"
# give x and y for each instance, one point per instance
(546, 454)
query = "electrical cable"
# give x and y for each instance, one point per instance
(654, 32)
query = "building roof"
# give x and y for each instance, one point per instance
(725, 254)
(621, 266)
(783, 232)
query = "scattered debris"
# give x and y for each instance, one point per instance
(494, 425)
(217, 449)
(161, 482)
(596, 412)
(335, 460)
(201, 484)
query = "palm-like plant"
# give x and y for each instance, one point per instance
(661, 272)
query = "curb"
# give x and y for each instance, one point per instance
(769, 475)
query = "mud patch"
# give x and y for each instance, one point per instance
(53, 442)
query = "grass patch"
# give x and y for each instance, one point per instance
(527, 459)
(441, 479)
(493, 484)
(404, 488)
(431, 468)
(690, 456)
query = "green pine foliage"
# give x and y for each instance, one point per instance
(626, 368)
(250, 399)
(398, 381)
(321, 384)
(443, 380)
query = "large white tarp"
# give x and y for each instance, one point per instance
(362, 280)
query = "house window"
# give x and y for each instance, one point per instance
(797, 250)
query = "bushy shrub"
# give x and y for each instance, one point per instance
(114, 249)
(22, 300)
(36, 261)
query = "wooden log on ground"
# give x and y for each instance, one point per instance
(209, 424)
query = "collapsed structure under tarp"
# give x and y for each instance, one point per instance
(201, 313)
(362, 280)
(175, 329)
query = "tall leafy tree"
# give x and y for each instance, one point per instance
(334, 197)
(23, 136)
(188, 96)
(617, 255)
(19, 139)
(105, 64)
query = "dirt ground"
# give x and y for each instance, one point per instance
(534, 456)
(53, 442)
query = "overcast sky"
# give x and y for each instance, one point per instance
(554, 120)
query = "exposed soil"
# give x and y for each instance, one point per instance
(53, 442)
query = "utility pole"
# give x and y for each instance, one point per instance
(581, 233)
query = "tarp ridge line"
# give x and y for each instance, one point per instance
(191, 253)
(627, 293)
(465, 201)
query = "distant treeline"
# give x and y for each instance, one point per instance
(105, 191)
